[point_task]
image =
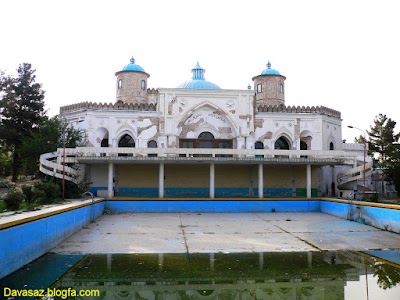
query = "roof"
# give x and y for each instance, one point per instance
(198, 81)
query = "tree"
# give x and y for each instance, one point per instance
(47, 138)
(22, 109)
(382, 137)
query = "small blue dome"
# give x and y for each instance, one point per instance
(133, 67)
(269, 71)
(198, 81)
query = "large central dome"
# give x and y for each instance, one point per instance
(198, 81)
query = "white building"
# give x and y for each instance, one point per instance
(198, 140)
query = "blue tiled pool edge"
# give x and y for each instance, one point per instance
(26, 242)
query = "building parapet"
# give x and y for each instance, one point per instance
(107, 106)
(300, 109)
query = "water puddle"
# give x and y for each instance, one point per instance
(297, 275)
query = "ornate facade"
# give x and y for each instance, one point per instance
(201, 140)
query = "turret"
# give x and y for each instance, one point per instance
(269, 87)
(132, 83)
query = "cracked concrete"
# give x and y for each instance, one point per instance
(224, 232)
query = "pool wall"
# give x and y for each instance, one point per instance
(233, 206)
(23, 243)
(386, 217)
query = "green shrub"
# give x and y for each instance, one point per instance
(46, 192)
(29, 195)
(13, 200)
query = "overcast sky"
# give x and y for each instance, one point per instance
(341, 54)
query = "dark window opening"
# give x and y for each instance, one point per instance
(303, 146)
(104, 144)
(126, 141)
(259, 145)
(281, 144)
(331, 146)
(152, 144)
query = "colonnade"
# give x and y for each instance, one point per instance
(161, 179)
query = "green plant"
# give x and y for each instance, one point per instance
(29, 195)
(13, 200)
(46, 192)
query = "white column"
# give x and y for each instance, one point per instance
(260, 181)
(161, 181)
(212, 181)
(308, 181)
(110, 179)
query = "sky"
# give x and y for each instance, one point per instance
(341, 54)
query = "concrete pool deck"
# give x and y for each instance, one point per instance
(224, 232)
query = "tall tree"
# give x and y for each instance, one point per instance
(382, 137)
(48, 137)
(22, 110)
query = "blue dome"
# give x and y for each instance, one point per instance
(198, 81)
(133, 67)
(269, 71)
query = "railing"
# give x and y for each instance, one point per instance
(65, 165)
(88, 152)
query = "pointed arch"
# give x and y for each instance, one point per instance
(208, 104)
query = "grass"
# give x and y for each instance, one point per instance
(2, 205)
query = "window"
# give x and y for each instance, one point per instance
(281, 86)
(282, 144)
(303, 146)
(259, 145)
(120, 83)
(104, 143)
(259, 88)
(143, 84)
(152, 144)
(126, 141)
(331, 146)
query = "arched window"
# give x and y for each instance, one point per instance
(120, 83)
(143, 84)
(281, 87)
(152, 144)
(331, 146)
(206, 135)
(259, 145)
(126, 141)
(259, 88)
(282, 144)
(206, 140)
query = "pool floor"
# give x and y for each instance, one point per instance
(225, 233)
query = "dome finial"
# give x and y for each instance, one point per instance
(132, 60)
(268, 65)
(198, 72)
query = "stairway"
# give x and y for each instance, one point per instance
(350, 179)
(52, 164)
